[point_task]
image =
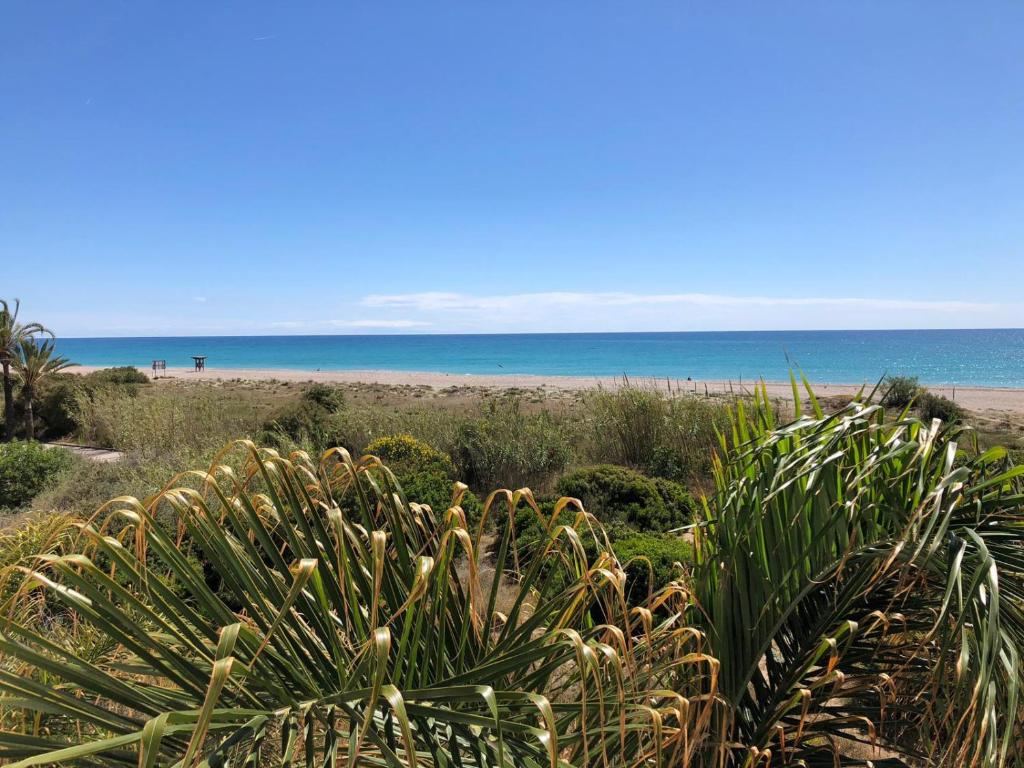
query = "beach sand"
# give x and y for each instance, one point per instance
(991, 401)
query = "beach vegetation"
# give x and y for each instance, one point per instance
(58, 410)
(507, 446)
(652, 561)
(56, 406)
(36, 363)
(641, 427)
(829, 556)
(900, 391)
(89, 484)
(425, 474)
(120, 376)
(26, 470)
(617, 494)
(312, 421)
(355, 639)
(179, 423)
(12, 335)
(933, 406)
(406, 452)
(331, 399)
(302, 423)
(852, 593)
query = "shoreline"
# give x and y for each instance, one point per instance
(981, 399)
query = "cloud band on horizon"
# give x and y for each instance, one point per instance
(432, 301)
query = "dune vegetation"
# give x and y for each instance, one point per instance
(854, 595)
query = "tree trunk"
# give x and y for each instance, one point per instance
(8, 402)
(30, 422)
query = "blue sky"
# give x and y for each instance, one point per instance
(232, 168)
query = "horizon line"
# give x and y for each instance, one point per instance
(538, 333)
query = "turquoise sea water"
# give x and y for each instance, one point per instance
(964, 357)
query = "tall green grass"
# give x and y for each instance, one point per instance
(172, 422)
(642, 427)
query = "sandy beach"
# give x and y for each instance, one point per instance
(989, 400)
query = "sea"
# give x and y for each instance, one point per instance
(954, 357)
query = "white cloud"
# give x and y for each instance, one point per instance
(385, 324)
(434, 301)
(199, 299)
(296, 325)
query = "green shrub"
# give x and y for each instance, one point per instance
(316, 421)
(26, 469)
(303, 423)
(528, 530)
(119, 376)
(507, 448)
(331, 399)
(407, 453)
(677, 499)
(55, 405)
(900, 391)
(426, 475)
(663, 552)
(932, 406)
(435, 491)
(616, 494)
(58, 404)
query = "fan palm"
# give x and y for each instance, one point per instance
(336, 621)
(35, 363)
(12, 333)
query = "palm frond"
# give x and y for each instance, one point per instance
(335, 621)
(862, 583)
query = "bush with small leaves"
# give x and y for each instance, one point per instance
(426, 475)
(121, 375)
(651, 561)
(616, 494)
(307, 424)
(900, 391)
(932, 406)
(331, 399)
(27, 469)
(405, 452)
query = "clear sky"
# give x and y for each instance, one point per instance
(247, 167)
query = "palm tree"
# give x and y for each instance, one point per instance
(11, 335)
(35, 363)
